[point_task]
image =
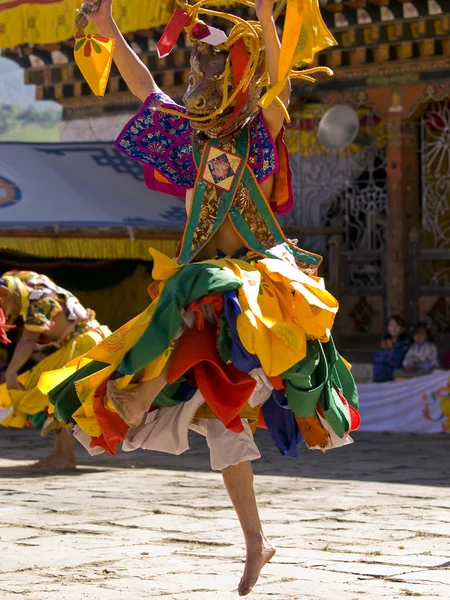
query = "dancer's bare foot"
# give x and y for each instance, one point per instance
(54, 463)
(131, 405)
(258, 554)
(63, 456)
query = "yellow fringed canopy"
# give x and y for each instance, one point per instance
(47, 22)
(87, 248)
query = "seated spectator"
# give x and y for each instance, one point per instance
(422, 356)
(394, 347)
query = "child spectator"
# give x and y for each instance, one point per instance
(422, 356)
(394, 347)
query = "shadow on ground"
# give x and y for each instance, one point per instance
(393, 458)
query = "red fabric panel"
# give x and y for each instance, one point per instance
(216, 302)
(114, 428)
(226, 389)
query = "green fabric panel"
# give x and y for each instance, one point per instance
(64, 396)
(225, 340)
(189, 284)
(38, 419)
(349, 388)
(305, 381)
(169, 395)
(333, 408)
(314, 379)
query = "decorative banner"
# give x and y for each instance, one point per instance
(416, 405)
(93, 55)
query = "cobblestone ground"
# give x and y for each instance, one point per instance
(367, 521)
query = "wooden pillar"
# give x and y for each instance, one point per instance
(403, 180)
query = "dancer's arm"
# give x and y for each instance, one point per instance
(273, 114)
(22, 354)
(136, 75)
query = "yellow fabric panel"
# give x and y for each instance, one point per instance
(93, 55)
(33, 22)
(281, 308)
(95, 248)
(111, 351)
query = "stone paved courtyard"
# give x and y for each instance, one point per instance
(365, 522)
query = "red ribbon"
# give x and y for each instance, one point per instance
(175, 26)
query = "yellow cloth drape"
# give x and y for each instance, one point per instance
(304, 35)
(94, 248)
(31, 400)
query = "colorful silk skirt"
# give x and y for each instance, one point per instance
(249, 337)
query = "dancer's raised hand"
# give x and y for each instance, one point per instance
(99, 10)
(135, 73)
(264, 10)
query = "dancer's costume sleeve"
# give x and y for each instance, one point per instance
(162, 142)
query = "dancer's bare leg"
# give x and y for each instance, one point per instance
(133, 405)
(239, 483)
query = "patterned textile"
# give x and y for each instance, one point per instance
(42, 301)
(423, 356)
(163, 143)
